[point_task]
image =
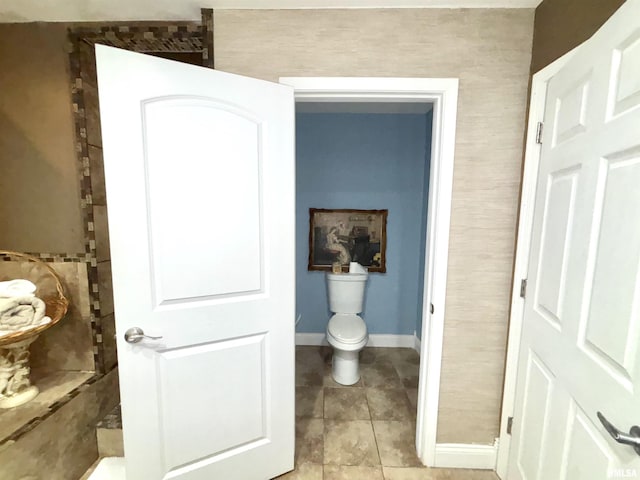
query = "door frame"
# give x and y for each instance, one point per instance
(443, 93)
(531, 162)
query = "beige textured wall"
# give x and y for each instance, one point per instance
(39, 188)
(490, 52)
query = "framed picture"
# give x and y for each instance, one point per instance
(343, 236)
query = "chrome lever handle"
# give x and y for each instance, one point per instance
(632, 438)
(136, 334)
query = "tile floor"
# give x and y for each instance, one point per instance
(362, 432)
(365, 431)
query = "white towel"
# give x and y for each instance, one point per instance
(355, 267)
(21, 313)
(17, 288)
(43, 321)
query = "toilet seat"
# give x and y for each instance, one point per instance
(347, 328)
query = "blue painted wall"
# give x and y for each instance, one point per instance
(365, 161)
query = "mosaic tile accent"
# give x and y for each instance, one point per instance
(49, 257)
(108, 340)
(180, 37)
(207, 37)
(82, 63)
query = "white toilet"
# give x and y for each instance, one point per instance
(346, 331)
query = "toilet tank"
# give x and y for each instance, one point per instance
(346, 291)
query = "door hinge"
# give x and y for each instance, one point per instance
(509, 425)
(432, 309)
(539, 132)
(523, 287)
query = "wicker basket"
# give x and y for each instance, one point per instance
(57, 305)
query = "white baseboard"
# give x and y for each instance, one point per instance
(311, 339)
(466, 455)
(383, 340)
(417, 344)
(375, 340)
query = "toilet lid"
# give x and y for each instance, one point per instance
(347, 327)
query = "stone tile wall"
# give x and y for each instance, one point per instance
(86, 108)
(64, 445)
(69, 344)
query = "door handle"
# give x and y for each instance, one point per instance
(136, 334)
(632, 438)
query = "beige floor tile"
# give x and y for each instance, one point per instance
(309, 440)
(389, 404)
(404, 356)
(371, 355)
(413, 473)
(380, 375)
(412, 395)
(466, 474)
(367, 356)
(326, 352)
(328, 380)
(304, 471)
(345, 404)
(406, 369)
(309, 402)
(395, 356)
(345, 472)
(350, 443)
(396, 443)
(355, 449)
(410, 382)
(407, 365)
(310, 366)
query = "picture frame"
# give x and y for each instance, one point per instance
(341, 236)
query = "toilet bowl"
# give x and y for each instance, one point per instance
(347, 334)
(346, 330)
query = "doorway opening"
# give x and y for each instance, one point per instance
(379, 94)
(364, 156)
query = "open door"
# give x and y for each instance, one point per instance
(200, 178)
(580, 350)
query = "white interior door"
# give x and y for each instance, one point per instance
(579, 352)
(199, 169)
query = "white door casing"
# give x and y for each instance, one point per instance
(579, 346)
(443, 93)
(199, 168)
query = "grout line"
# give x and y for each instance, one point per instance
(375, 437)
(324, 420)
(403, 388)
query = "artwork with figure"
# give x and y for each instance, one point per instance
(343, 236)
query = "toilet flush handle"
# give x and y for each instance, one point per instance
(136, 334)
